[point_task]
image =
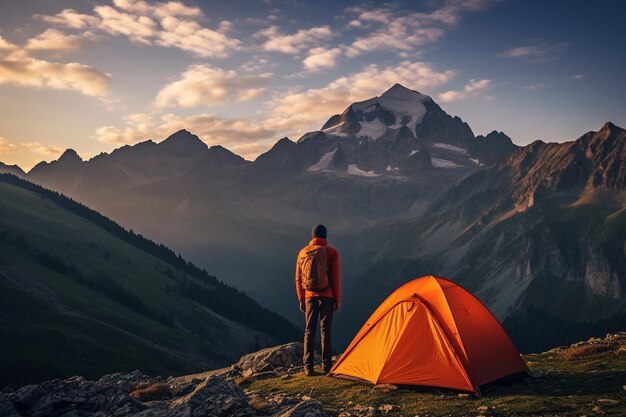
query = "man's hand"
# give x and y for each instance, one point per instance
(336, 305)
(302, 306)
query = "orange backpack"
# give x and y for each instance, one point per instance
(315, 269)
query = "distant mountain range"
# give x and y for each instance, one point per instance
(81, 295)
(406, 190)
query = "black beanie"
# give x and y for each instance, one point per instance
(319, 231)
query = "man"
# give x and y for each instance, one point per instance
(318, 284)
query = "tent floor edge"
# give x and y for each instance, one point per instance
(420, 388)
(351, 378)
(505, 381)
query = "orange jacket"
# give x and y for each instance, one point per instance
(334, 273)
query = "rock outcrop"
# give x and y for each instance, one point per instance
(213, 393)
(272, 359)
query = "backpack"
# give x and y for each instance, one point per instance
(315, 268)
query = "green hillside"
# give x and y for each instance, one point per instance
(81, 295)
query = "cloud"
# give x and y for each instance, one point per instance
(578, 77)
(257, 63)
(397, 30)
(244, 137)
(41, 149)
(319, 58)
(540, 52)
(6, 46)
(533, 87)
(170, 8)
(169, 24)
(471, 90)
(205, 85)
(191, 37)
(19, 68)
(6, 147)
(70, 18)
(137, 28)
(293, 44)
(54, 40)
(121, 136)
(33, 147)
(297, 111)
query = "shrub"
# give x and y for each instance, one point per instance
(158, 391)
(586, 350)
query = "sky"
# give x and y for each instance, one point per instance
(96, 75)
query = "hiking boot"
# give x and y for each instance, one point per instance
(308, 370)
(326, 367)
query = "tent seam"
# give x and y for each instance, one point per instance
(456, 354)
(395, 345)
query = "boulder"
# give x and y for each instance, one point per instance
(7, 408)
(79, 397)
(270, 359)
(306, 408)
(215, 396)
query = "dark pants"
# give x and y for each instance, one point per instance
(324, 308)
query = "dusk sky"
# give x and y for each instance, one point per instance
(95, 75)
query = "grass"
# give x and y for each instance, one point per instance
(583, 384)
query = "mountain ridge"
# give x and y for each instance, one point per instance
(394, 99)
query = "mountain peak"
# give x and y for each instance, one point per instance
(400, 92)
(220, 150)
(220, 154)
(397, 87)
(183, 139)
(11, 169)
(610, 127)
(70, 155)
(608, 130)
(397, 99)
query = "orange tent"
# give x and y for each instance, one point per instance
(431, 332)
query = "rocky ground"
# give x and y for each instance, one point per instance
(587, 378)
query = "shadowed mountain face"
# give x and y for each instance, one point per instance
(405, 190)
(540, 238)
(79, 294)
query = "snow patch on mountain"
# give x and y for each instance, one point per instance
(450, 148)
(335, 130)
(365, 104)
(324, 162)
(402, 101)
(444, 163)
(477, 162)
(406, 105)
(374, 129)
(355, 170)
